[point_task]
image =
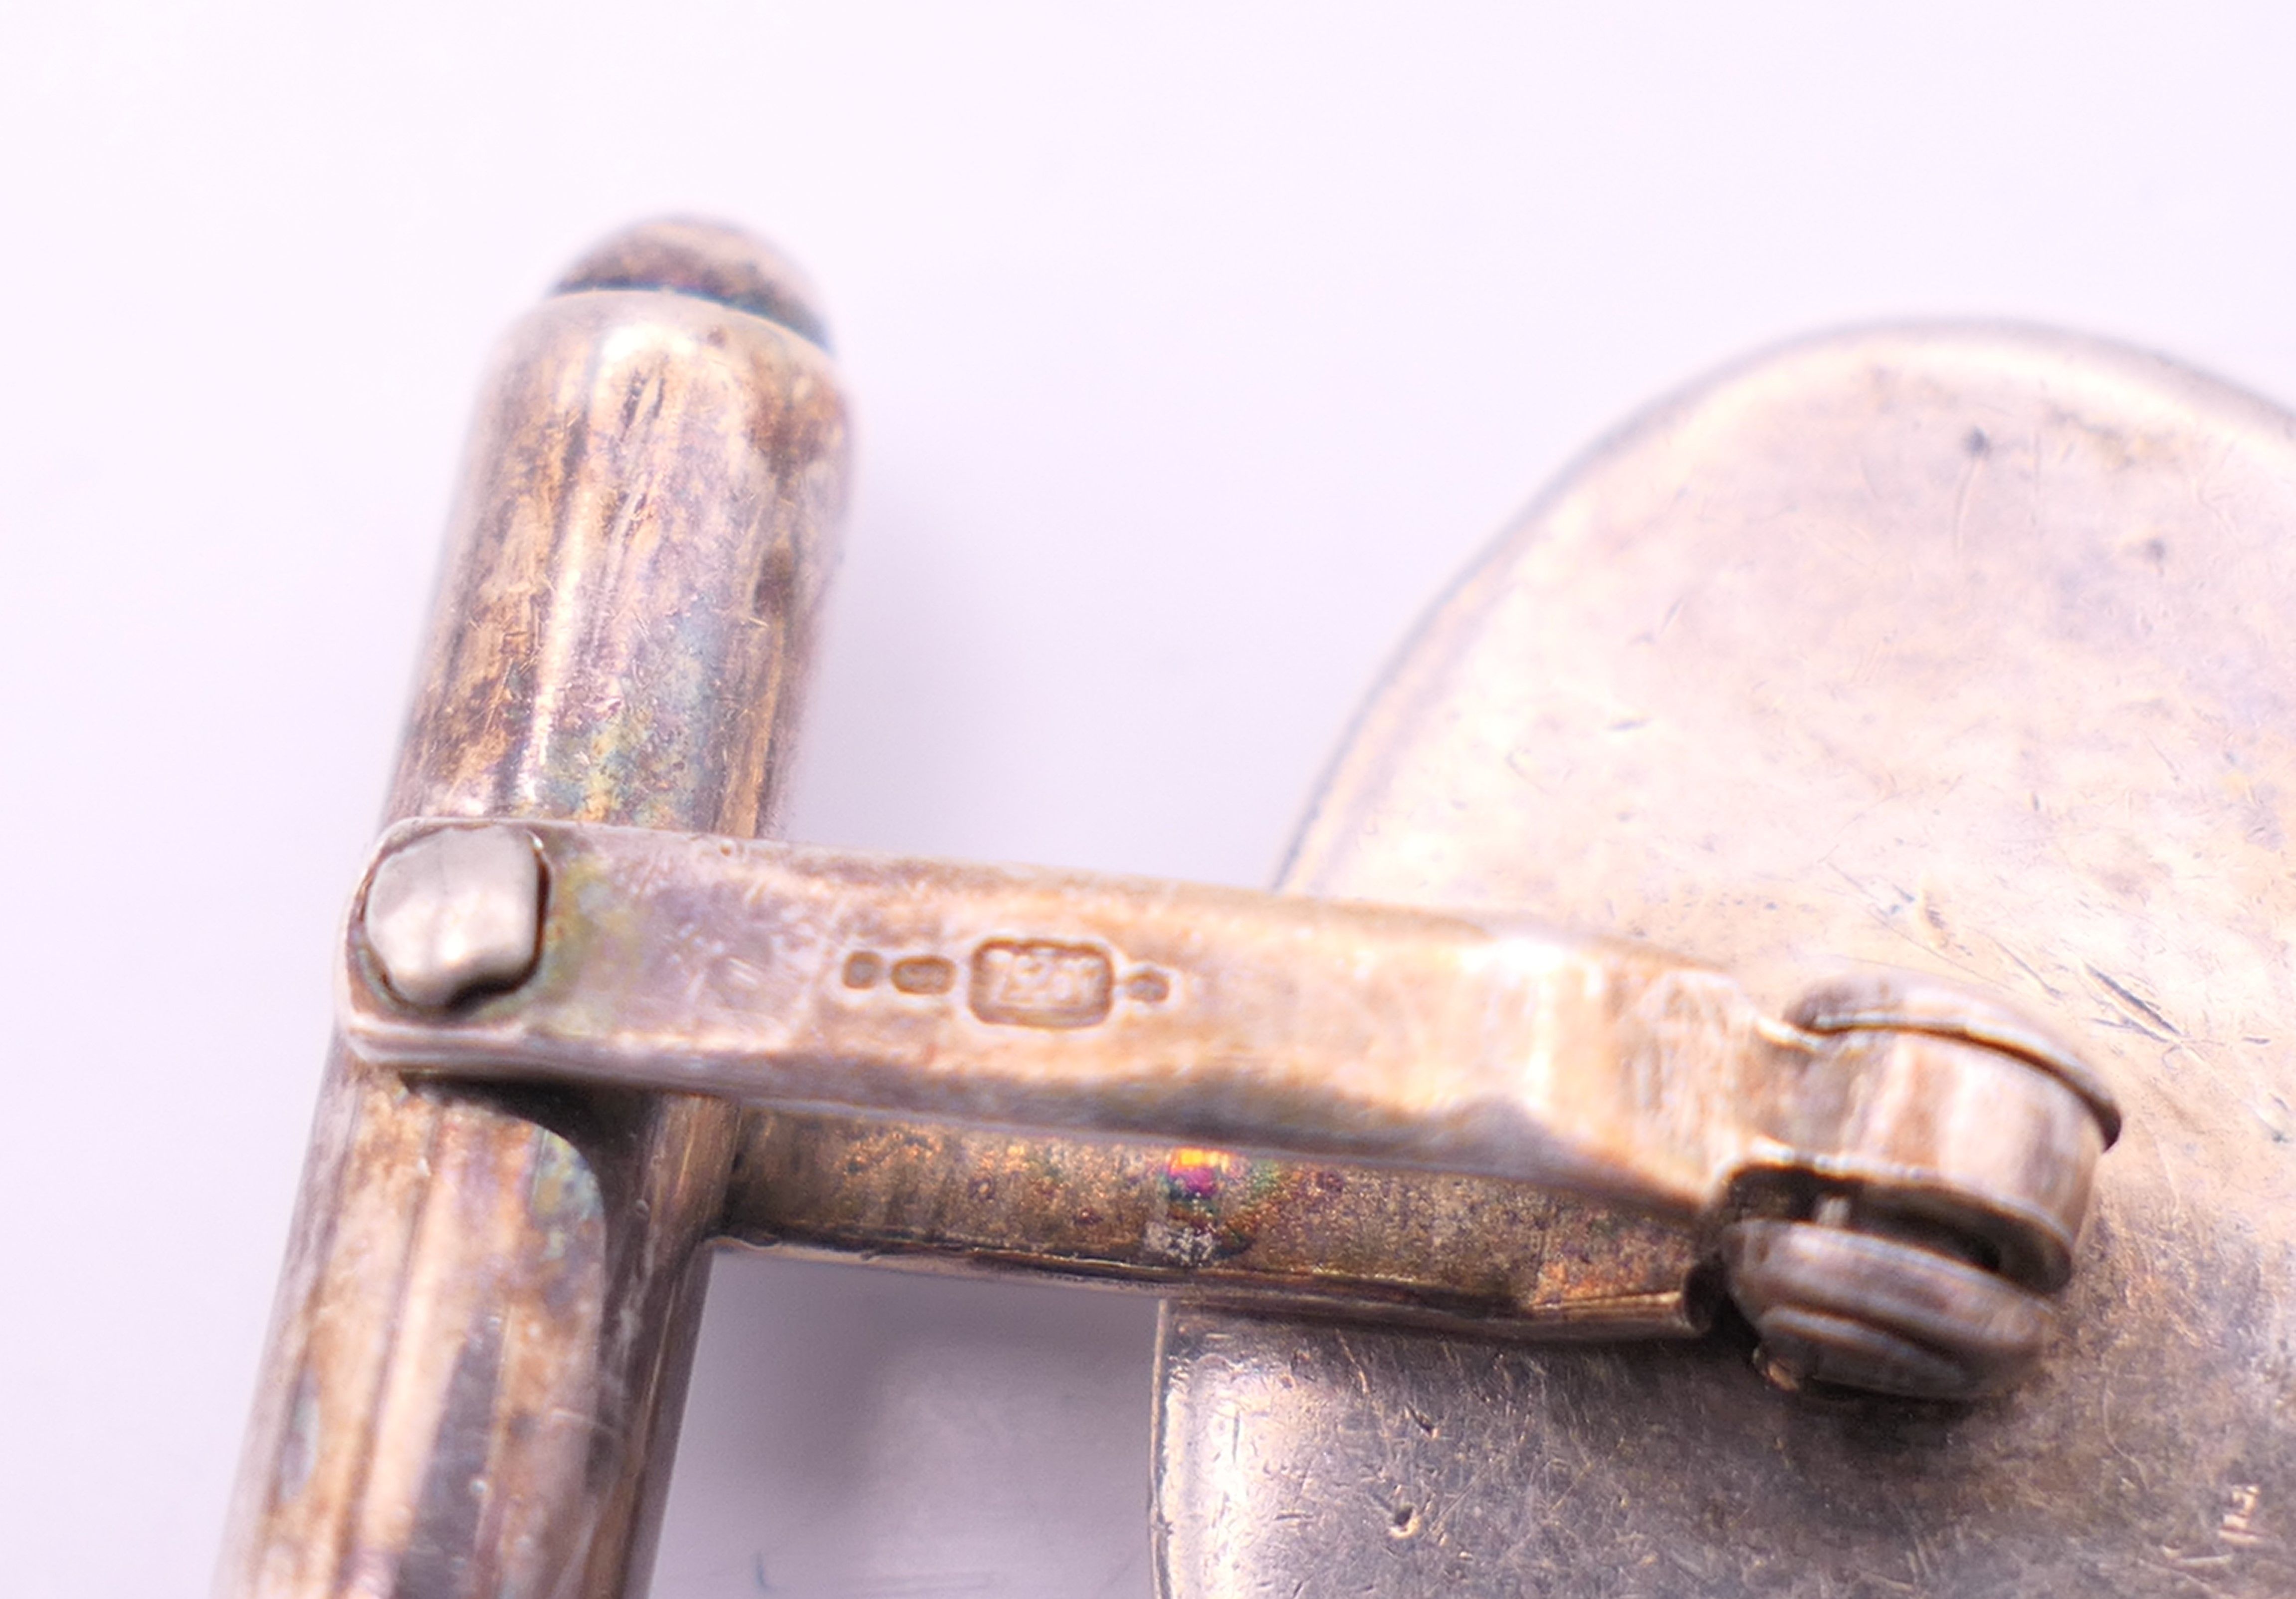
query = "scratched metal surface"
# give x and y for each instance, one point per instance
(1962, 649)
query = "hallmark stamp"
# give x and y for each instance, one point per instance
(924, 974)
(1038, 983)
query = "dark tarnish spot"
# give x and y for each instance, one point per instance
(776, 590)
(708, 260)
(642, 403)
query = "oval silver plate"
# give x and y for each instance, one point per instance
(1969, 650)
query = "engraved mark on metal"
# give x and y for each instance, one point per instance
(1039, 983)
(1893, 1176)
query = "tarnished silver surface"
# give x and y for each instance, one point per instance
(1483, 1046)
(1392, 1244)
(478, 1351)
(1896, 1186)
(1964, 650)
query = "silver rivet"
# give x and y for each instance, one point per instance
(456, 911)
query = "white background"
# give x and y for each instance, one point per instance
(1193, 348)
